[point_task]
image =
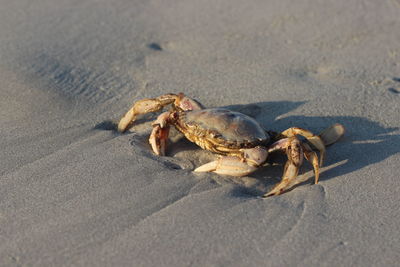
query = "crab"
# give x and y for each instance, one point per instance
(243, 144)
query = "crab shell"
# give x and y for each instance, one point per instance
(220, 130)
(245, 144)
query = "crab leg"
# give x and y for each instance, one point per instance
(294, 152)
(228, 165)
(159, 134)
(312, 157)
(288, 180)
(145, 106)
(332, 134)
(312, 138)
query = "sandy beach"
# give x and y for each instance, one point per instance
(75, 192)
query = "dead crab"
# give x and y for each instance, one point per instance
(241, 140)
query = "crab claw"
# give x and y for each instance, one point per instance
(158, 139)
(159, 135)
(229, 165)
(294, 152)
(315, 140)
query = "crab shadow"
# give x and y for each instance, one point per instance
(365, 142)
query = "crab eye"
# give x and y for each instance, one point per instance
(188, 104)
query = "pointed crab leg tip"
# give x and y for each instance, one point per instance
(275, 191)
(339, 128)
(128, 118)
(159, 151)
(332, 134)
(208, 167)
(122, 125)
(316, 179)
(316, 173)
(121, 129)
(270, 194)
(155, 147)
(321, 159)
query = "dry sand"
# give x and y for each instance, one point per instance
(75, 192)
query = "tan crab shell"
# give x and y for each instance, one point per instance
(221, 130)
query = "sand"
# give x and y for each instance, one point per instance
(74, 192)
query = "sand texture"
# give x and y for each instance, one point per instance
(75, 192)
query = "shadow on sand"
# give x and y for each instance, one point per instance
(365, 142)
